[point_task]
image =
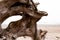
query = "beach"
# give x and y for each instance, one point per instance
(53, 31)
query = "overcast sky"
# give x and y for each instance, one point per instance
(53, 9)
(50, 6)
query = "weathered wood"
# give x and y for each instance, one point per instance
(41, 34)
(24, 27)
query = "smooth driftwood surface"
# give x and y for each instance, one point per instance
(24, 27)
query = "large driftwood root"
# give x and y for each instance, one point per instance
(23, 24)
(21, 28)
(24, 27)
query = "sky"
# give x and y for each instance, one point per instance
(52, 7)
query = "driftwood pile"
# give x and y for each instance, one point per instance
(24, 27)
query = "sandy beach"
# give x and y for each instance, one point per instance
(53, 31)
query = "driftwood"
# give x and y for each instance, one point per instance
(24, 27)
(6, 10)
(41, 34)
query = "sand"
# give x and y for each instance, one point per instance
(53, 31)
